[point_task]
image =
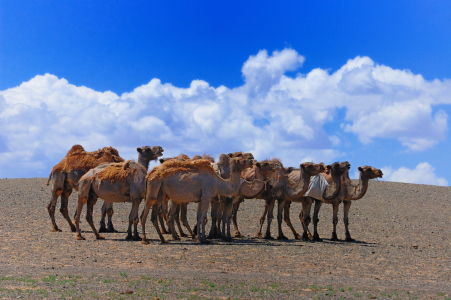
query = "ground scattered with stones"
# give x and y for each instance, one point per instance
(402, 252)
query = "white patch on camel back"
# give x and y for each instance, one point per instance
(316, 187)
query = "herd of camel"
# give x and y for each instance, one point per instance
(221, 185)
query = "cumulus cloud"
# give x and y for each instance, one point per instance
(423, 173)
(270, 115)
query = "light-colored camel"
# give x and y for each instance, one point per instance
(222, 168)
(117, 182)
(66, 174)
(190, 181)
(283, 187)
(334, 173)
(254, 185)
(348, 192)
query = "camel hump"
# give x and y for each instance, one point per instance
(118, 171)
(75, 149)
(177, 166)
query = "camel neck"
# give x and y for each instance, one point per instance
(355, 192)
(144, 162)
(296, 190)
(333, 189)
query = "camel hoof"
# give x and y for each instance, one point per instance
(176, 238)
(165, 232)
(316, 238)
(204, 242)
(163, 241)
(268, 237)
(334, 237)
(102, 230)
(183, 234)
(144, 242)
(129, 237)
(282, 237)
(56, 230)
(350, 239)
(297, 237)
(99, 237)
(238, 234)
(73, 229)
(137, 238)
(80, 238)
(259, 236)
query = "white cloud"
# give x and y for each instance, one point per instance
(423, 173)
(270, 114)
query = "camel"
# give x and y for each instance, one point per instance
(222, 168)
(116, 182)
(190, 181)
(66, 174)
(333, 173)
(254, 185)
(282, 188)
(348, 193)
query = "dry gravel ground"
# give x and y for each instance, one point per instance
(402, 252)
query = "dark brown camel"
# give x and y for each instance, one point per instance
(66, 174)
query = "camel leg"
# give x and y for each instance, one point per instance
(64, 204)
(144, 215)
(184, 218)
(318, 204)
(81, 202)
(154, 219)
(346, 207)
(107, 210)
(89, 210)
(202, 210)
(286, 218)
(236, 207)
(270, 217)
(214, 220)
(262, 219)
(57, 190)
(110, 213)
(161, 216)
(172, 212)
(104, 209)
(280, 205)
(335, 221)
(226, 215)
(133, 220)
(306, 208)
(177, 220)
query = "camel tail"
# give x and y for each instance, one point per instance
(50, 178)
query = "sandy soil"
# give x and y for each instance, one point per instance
(403, 250)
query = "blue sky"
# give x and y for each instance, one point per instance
(367, 82)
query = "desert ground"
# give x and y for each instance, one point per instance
(402, 251)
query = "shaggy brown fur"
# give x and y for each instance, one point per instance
(173, 166)
(78, 159)
(119, 171)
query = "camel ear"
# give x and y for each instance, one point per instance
(161, 160)
(360, 169)
(230, 154)
(139, 150)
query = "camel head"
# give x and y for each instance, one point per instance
(370, 172)
(338, 168)
(150, 153)
(267, 167)
(312, 169)
(241, 163)
(246, 155)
